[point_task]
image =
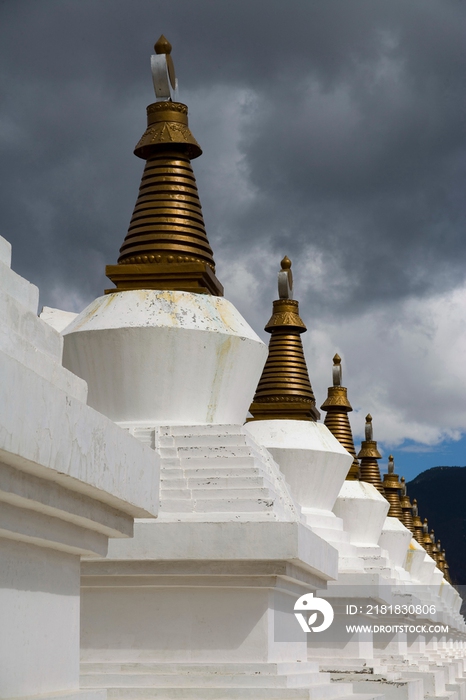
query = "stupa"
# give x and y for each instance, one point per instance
(257, 518)
(199, 605)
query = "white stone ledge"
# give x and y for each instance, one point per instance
(25, 293)
(14, 315)
(5, 252)
(46, 366)
(86, 694)
(45, 432)
(41, 495)
(227, 541)
(28, 526)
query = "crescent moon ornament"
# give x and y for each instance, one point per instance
(163, 72)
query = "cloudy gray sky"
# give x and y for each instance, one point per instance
(334, 131)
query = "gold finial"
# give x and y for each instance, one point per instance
(435, 549)
(166, 246)
(426, 538)
(286, 263)
(417, 524)
(162, 45)
(440, 557)
(284, 391)
(285, 280)
(392, 487)
(369, 455)
(446, 569)
(406, 507)
(337, 408)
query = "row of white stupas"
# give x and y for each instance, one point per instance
(158, 375)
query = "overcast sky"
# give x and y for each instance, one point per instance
(333, 131)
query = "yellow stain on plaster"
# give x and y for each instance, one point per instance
(223, 360)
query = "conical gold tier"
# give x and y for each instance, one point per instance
(407, 515)
(370, 472)
(337, 421)
(406, 508)
(167, 224)
(369, 454)
(284, 390)
(395, 507)
(392, 487)
(166, 246)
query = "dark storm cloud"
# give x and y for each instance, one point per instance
(352, 139)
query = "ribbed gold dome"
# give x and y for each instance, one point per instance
(284, 390)
(369, 454)
(337, 406)
(166, 246)
(392, 488)
(406, 507)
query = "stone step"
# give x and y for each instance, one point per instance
(210, 505)
(22, 291)
(5, 252)
(203, 680)
(28, 326)
(230, 439)
(181, 668)
(326, 691)
(225, 482)
(399, 689)
(225, 505)
(176, 505)
(220, 494)
(225, 470)
(217, 460)
(208, 429)
(211, 451)
(42, 363)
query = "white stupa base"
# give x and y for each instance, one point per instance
(68, 482)
(311, 459)
(165, 357)
(193, 610)
(363, 511)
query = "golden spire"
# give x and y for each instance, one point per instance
(392, 488)
(284, 391)
(446, 569)
(406, 507)
(418, 531)
(426, 539)
(440, 556)
(369, 455)
(337, 407)
(166, 246)
(435, 549)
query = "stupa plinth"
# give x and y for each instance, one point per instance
(177, 365)
(149, 348)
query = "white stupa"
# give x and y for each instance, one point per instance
(254, 521)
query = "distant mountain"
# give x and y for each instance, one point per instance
(441, 493)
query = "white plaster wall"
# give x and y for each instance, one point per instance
(175, 624)
(363, 510)
(162, 357)
(45, 431)
(311, 458)
(395, 539)
(39, 628)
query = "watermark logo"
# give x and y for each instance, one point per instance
(308, 603)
